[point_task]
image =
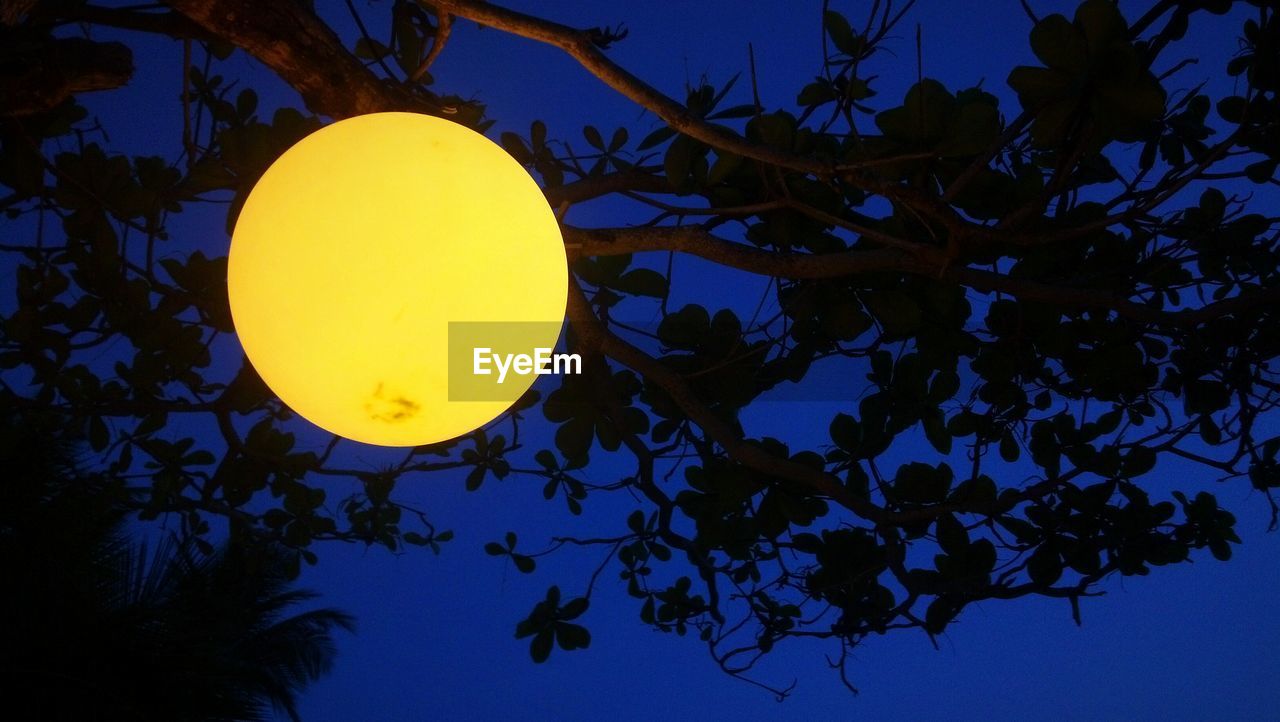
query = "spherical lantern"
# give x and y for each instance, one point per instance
(357, 250)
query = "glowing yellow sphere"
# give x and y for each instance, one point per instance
(361, 244)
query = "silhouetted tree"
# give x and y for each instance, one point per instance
(97, 627)
(1059, 297)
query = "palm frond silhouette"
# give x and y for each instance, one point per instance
(100, 626)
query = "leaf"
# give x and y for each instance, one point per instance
(816, 93)
(736, 111)
(1232, 109)
(369, 49)
(939, 614)
(1044, 567)
(775, 129)
(656, 138)
(572, 636)
(923, 116)
(475, 478)
(1209, 431)
(618, 140)
(1037, 86)
(935, 430)
(642, 282)
(944, 386)
(1051, 125)
(1059, 44)
(1262, 171)
(1009, 450)
(1102, 24)
(951, 534)
(842, 34)
(538, 134)
(198, 458)
(972, 131)
(726, 163)
(845, 432)
(540, 648)
(686, 328)
(899, 313)
(546, 459)
(1221, 549)
(1139, 461)
(573, 438)
(246, 103)
(844, 320)
(678, 161)
(574, 609)
(514, 145)
(921, 483)
(99, 435)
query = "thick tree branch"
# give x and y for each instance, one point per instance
(38, 74)
(287, 37)
(933, 263)
(698, 242)
(170, 24)
(578, 191)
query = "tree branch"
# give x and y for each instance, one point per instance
(595, 186)
(593, 333)
(299, 47)
(40, 73)
(170, 24)
(698, 242)
(579, 46)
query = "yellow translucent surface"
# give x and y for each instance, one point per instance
(357, 248)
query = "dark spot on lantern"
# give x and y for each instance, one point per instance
(389, 407)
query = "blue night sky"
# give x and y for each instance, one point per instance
(435, 638)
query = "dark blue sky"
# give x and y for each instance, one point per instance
(435, 634)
